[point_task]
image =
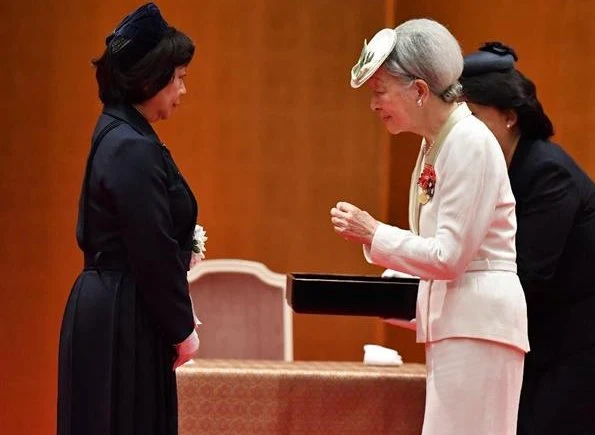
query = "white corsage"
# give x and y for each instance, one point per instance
(199, 241)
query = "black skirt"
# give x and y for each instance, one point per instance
(115, 373)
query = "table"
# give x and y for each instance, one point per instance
(274, 397)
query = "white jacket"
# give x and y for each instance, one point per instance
(465, 252)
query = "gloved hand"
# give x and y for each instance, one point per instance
(187, 349)
(195, 259)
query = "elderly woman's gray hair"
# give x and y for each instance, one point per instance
(426, 50)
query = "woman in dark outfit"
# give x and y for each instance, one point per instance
(555, 208)
(129, 319)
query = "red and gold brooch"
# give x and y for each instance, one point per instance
(427, 183)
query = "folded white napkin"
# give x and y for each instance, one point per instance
(381, 356)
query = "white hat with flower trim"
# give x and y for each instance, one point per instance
(373, 56)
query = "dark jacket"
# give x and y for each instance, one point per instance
(555, 248)
(130, 304)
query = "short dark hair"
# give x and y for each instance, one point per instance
(119, 84)
(510, 90)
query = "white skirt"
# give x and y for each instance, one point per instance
(472, 388)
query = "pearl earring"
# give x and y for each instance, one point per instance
(507, 125)
(419, 102)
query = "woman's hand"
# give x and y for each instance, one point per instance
(354, 224)
(195, 259)
(186, 349)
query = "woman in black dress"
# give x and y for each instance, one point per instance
(555, 240)
(129, 319)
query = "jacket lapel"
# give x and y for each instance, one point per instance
(414, 206)
(461, 112)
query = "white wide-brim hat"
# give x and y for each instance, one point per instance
(373, 56)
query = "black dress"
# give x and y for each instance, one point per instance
(130, 304)
(555, 207)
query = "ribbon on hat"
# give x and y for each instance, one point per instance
(491, 57)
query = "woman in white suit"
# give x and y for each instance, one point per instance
(471, 311)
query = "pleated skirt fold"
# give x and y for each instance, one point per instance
(115, 372)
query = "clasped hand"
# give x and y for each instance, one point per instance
(352, 223)
(195, 259)
(186, 350)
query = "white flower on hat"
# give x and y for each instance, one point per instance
(373, 56)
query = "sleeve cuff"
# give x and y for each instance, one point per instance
(386, 246)
(367, 255)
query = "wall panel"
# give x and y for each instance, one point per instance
(270, 136)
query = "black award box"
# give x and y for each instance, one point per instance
(352, 295)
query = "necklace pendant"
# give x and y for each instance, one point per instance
(423, 198)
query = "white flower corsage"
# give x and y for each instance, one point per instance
(199, 241)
